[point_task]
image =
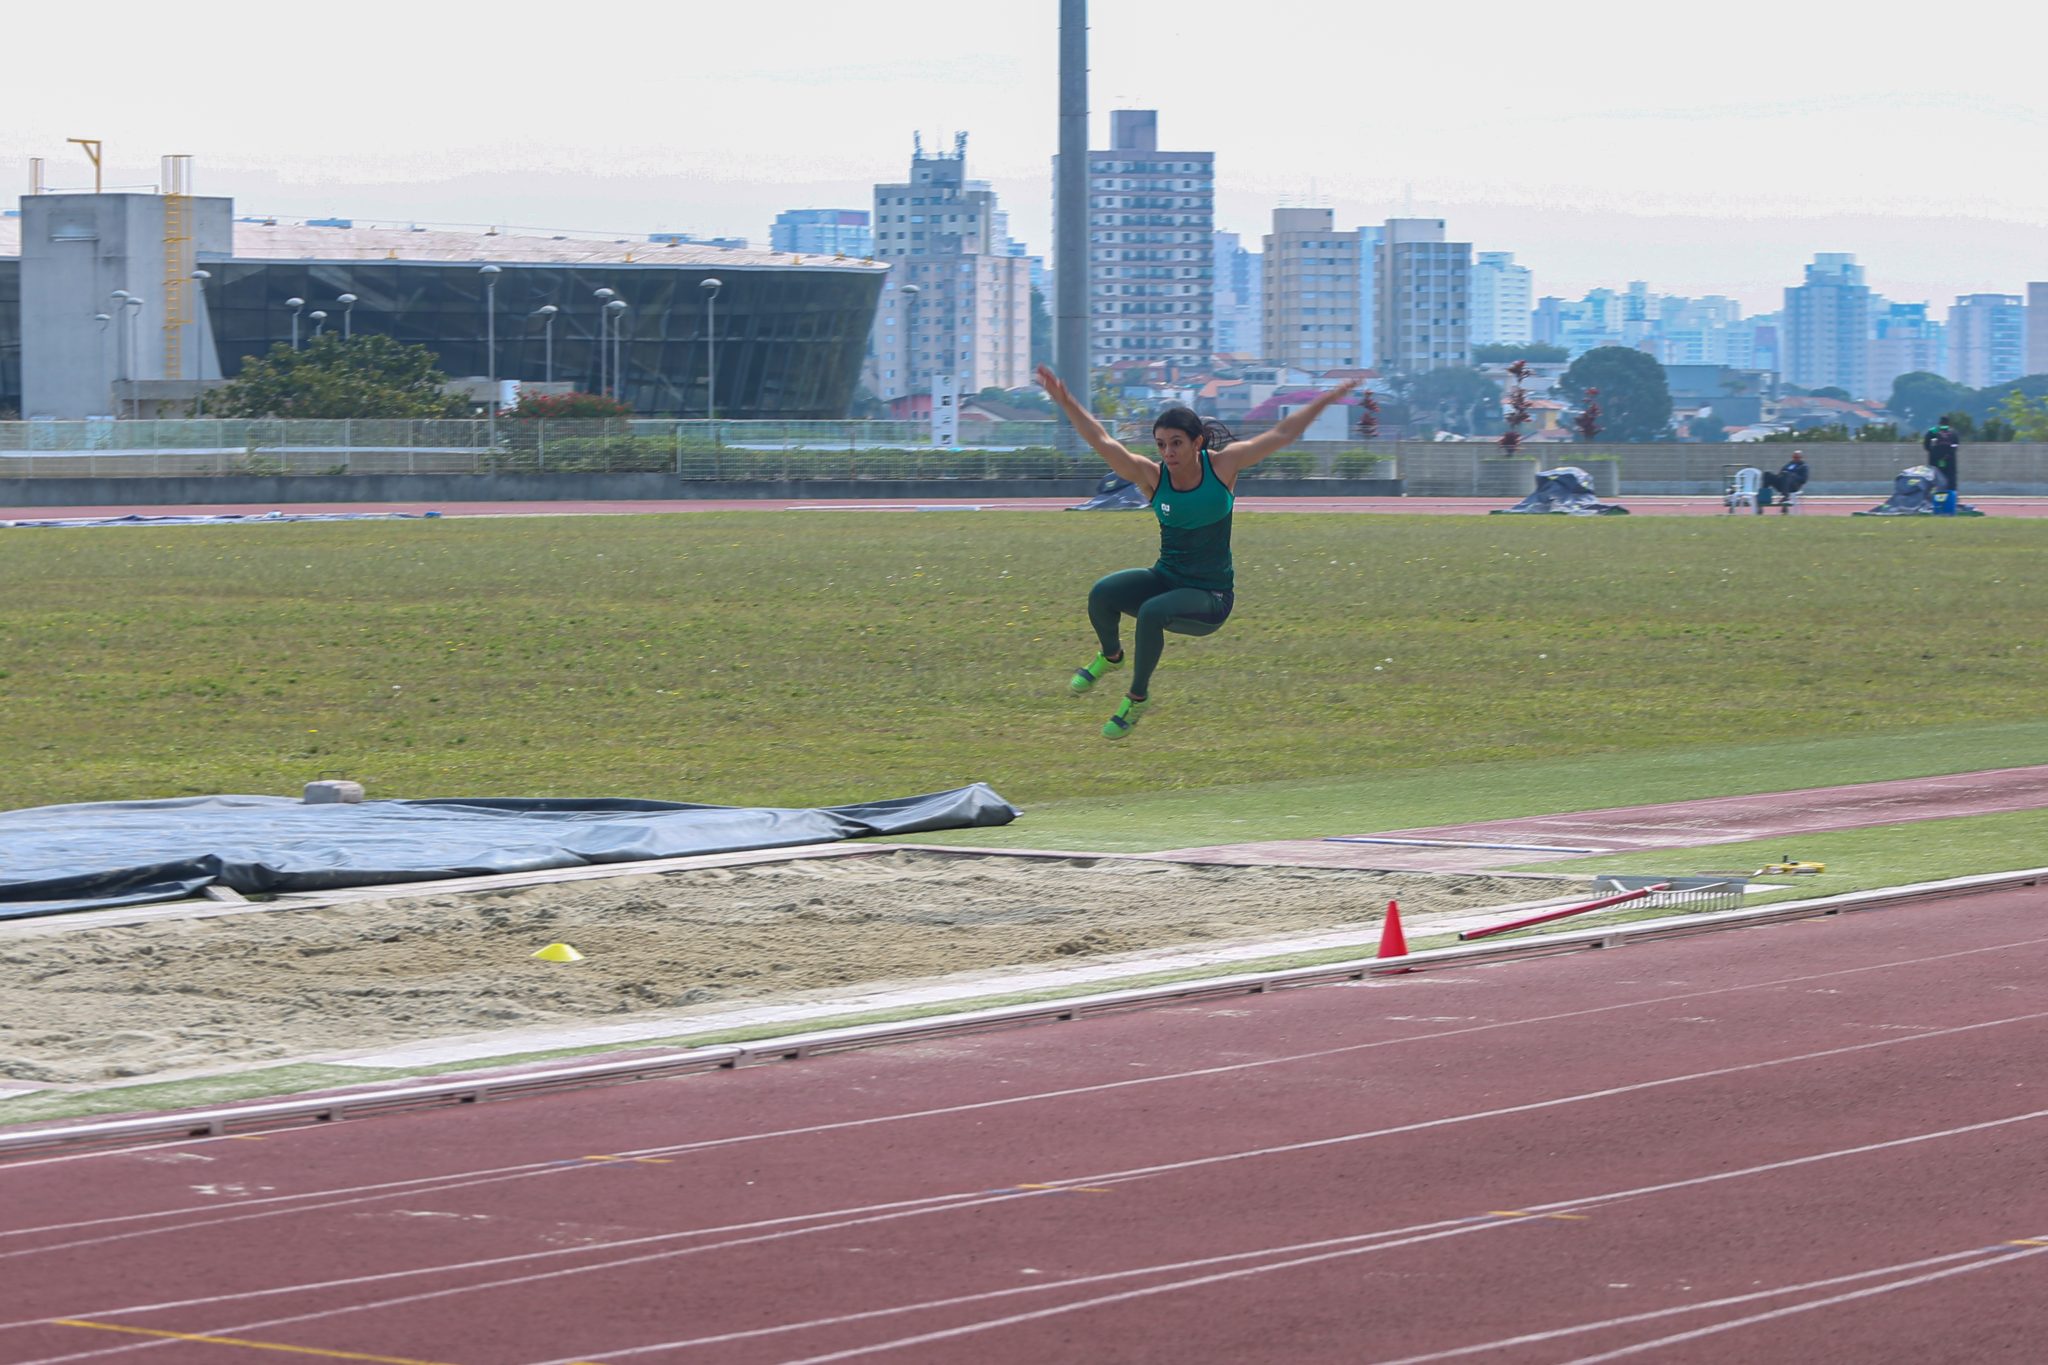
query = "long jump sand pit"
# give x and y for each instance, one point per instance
(175, 996)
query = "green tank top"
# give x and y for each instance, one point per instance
(1194, 531)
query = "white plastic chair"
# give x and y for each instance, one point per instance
(1745, 488)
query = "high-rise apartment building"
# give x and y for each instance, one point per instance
(1903, 340)
(1501, 293)
(1318, 292)
(1827, 326)
(1240, 299)
(823, 232)
(1987, 339)
(1151, 268)
(1422, 294)
(956, 302)
(2037, 329)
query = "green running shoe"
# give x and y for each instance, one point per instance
(1089, 674)
(1125, 720)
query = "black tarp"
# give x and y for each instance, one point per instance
(1567, 489)
(82, 857)
(1115, 493)
(1913, 495)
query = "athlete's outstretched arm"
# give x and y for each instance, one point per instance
(1136, 468)
(1242, 455)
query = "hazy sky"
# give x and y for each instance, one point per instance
(1705, 149)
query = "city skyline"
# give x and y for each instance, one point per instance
(1726, 186)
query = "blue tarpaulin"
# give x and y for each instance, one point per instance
(82, 857)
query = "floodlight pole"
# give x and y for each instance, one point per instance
(490, 274)
(199, 277)
(547, 312)
(1070, 227)
(711, 285)
(603, 296)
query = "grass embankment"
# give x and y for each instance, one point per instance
(1463, 666)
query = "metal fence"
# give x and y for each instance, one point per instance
(686, 449)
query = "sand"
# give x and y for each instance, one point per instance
(181, 996)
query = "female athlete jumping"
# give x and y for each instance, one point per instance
(1192, 486)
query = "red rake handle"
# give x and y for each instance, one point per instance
(1621, 899)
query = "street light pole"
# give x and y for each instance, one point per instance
(910, 295)
(319, 321)
(490, 274)
(603, 296)
(297, 306)
(120, 298)
(348, 306)
(711, 285)
(547, 311)
(199, 277)
(134, 317)
(617, 308)
(106, 384)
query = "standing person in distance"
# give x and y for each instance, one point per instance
(1193, 489)
(1942, 444)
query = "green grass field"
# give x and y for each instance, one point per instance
(791, 657)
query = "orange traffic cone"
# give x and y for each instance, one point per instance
(1393, 943)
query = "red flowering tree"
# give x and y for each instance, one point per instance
(1517, 414)
(584, 407)
(1368, 415)
(1588, 420)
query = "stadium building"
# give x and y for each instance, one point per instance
(127, 302)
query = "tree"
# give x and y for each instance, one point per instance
(1588, 420)
(1517, 408)
(2028, 419)
(1368, 415)
(364, 376)
(1635, 398)
(1830, 391)
(1535, 352)
(1922, 397)
(1457, 399)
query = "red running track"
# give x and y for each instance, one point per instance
(2025, 507)
(1823, 1140)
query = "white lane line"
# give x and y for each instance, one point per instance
(419, 1184)
(1977, 1256)
(964, 1202)
(1595, 1201)
(2017, 1254)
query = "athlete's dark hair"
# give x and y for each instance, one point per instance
(1204, 431)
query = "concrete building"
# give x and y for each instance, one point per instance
(1827, 326)
(1240, 298)
(1702, 331)
(956, 301)
(1987, 339)
(1422, 294)
(1318, 292)
(2037, 329)
(1501, 293)
(111, 310)
(1903, 340)
(823, 232)
(1151, 268)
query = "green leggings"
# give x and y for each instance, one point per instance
(1159, 606)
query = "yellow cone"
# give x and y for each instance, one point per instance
(559, 952)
